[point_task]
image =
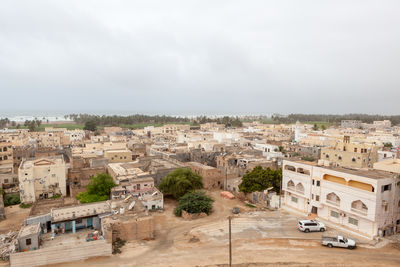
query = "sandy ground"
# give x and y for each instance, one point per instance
(15, 217)
(259, 239)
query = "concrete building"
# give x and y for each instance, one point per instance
(42, 178)
(73, 218)
(115, 156)
(351, 154)
(28, 237)
(211, 176)
(351, 124)
(365, 202)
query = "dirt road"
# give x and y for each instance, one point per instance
(204, 242)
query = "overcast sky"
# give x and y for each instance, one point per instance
(200, 57)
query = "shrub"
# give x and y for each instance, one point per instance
(10, 200)
(25, 206)
(194, 202)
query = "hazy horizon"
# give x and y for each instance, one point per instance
(200, 57)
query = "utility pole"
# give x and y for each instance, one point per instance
(280, 193)
(230, 243)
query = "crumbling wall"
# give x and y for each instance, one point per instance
(133, 229)
(2, 210)
(61, 253)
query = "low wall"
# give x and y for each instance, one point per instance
(61, 253)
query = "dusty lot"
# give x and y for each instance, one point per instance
(257, 241)
(15, 217)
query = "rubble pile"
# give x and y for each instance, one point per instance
(8, 244)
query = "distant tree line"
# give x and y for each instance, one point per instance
(334, 119)
(116, 120)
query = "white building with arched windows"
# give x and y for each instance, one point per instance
(364, 201)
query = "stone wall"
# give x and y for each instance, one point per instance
(61, 253)
(131, 229)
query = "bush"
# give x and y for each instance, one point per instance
(85, 197)
(10, 200)
(194, 202)
(55, 196)
(117, 244)
(25, 206)
(180, 182)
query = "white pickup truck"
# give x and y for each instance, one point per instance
(338, 241)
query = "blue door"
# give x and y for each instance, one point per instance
(89, 222)
(68, 226)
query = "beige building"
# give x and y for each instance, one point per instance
(211, 176)
(352, 155)
(42, 178)
(115, 156)
(6, 153)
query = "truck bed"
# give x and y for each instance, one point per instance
(328, 238)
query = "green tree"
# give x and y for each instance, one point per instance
(388, 145)
(315, 127)
(194, 202)
(180, 182)
(260, 179)
(32, 126)
(98, 189)
(90, 126)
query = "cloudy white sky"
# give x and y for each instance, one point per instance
(201, 57)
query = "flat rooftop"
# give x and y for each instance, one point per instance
(369, 173)
(199, 165)
(42, 162)
(28, 230)
(80, 211)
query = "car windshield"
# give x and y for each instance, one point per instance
(345, 239)
(300, 223)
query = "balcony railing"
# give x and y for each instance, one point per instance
(360, 211)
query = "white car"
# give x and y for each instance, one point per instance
(311, 226)
(339, 241)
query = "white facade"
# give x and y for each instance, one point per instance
(42, 178)
(366, 202)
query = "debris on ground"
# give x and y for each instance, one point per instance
(8, 244)
(228, 195)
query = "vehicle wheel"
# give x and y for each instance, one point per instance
(322, 229)
(307, 230)
(351, 247)
(330, 245)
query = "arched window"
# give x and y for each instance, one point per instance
(303, 171)
(333, 199)
(290, 185)
(359, 207)
(300, 188)
(290, 168)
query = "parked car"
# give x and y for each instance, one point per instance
(235, 210)
(311, 226)
(338, 241)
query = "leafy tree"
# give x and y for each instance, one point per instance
(180, 182)
(98, 189)
(90, 126)
(388, 145)
(315, 127)
(260, 179)
(194, 202)
(323, 127)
